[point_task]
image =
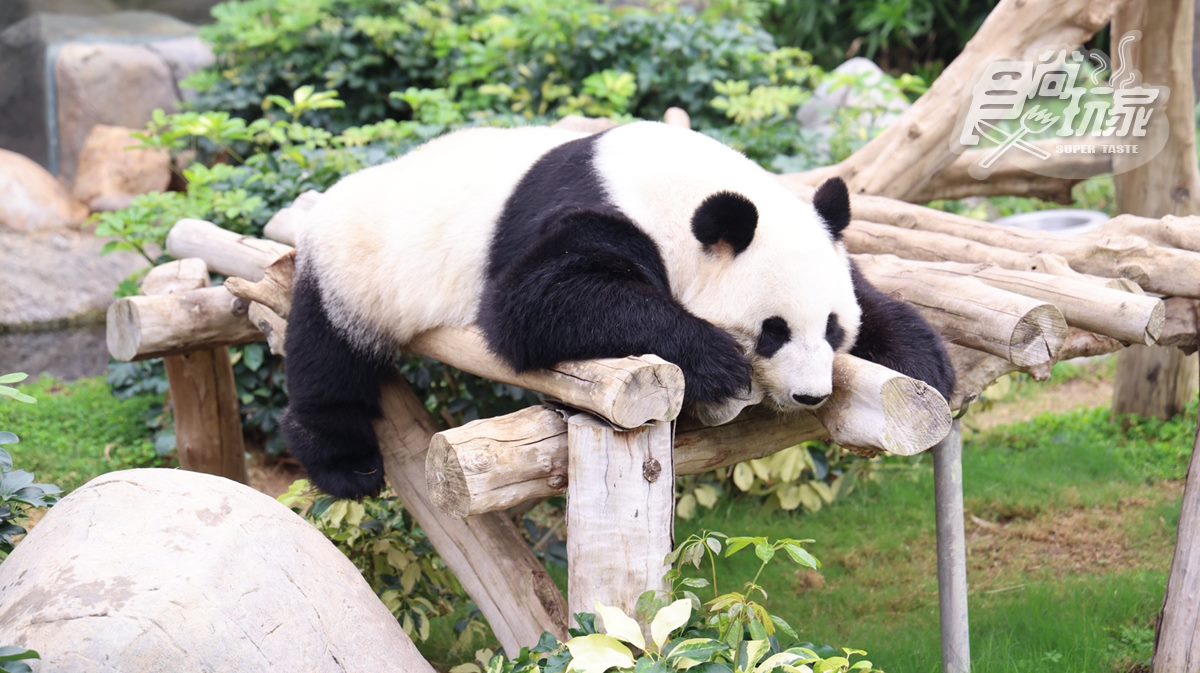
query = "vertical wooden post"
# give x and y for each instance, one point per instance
(208, 424)
(486, 552)
(620, 512)
(1169, 184)
(1177, 639)
(952, 553)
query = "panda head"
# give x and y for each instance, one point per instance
(776, 276)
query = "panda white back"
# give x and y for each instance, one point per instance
(401, 247)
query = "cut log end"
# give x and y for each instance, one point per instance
(122, 330)
(914, 414)
(1154, 327)
(662, 385)
(447, 481)
(1038, 336)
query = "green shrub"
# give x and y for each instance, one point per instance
(19, 494)
(392, 554)
(732, 632)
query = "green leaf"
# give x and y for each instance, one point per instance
(253, 356)
(743, 476)
(697, 649)
(668, 619)
(802, 556)
(17, 395)
(736, 544)
(14, 378)
(764, 552)
(598, 653)
(10, 653)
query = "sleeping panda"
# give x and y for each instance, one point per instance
(645, 238)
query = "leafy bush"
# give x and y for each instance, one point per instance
(732, 632)
(19, 495)
(392, 554)
(540, 58)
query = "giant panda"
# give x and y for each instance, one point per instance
(646, 238)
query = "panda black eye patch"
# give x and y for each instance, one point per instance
(775, 333)
(834, 333)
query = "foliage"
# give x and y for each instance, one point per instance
(392, 554)
(901, 34)
(809, 475)
(13, 659)
(732, 632)
(19, 494)
(78, 430)
(544, 58)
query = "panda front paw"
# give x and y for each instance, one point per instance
(715, 369)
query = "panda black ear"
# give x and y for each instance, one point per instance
(725, 217)
(832, 202)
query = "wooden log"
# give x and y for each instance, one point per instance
(285, 225)
(273, 290)
(224, 251)
(151, 326)
(620, 512)
(627, 392)
(1025, 331)
(1160, 382)
(272, 326)
(498, 463)
(1158, 269)
(208, 424)
(486, 553)
(1172, 231)
(1181, 329)
(1131, 318)
(1014, 174)
(902, 160)
(677, 116)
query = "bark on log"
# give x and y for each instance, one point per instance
(903, 159)
(285, 225)
(208, 423)
(225, 252)
(498, 463)
(1131, 318)
(486, 553)
(968, 312)
(620, 512)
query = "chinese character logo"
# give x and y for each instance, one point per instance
(1028, 114)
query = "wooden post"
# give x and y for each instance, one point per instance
(1159, 382)
(208, 425)
(952, 553)
(486, 553)
(620, 512)
(1177, 640)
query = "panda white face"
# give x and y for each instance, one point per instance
(783, 289)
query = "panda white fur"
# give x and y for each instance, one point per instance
(643, 239)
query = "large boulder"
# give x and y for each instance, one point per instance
(31, 199)
(55, 279)
(166, 570)
(112, 170)
(859, 88)
(60, 75)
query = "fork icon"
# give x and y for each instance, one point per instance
(1034, 121)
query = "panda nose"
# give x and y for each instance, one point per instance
(810, 400)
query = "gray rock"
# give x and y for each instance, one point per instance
(66, 354)
(51, 280)
(857, 84)
(60, 75)
(166, 570)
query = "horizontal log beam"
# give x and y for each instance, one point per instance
(498, 463)
(152, 326)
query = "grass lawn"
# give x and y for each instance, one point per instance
(1070, 523)
(77, 431)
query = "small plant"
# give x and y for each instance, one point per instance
(18, 492)
(12, 659)
(731, 633)
(392, 554)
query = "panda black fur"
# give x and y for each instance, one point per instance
(642, 239)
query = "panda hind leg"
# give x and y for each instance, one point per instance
(333, 400)
(597, 288)
(895, 335)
